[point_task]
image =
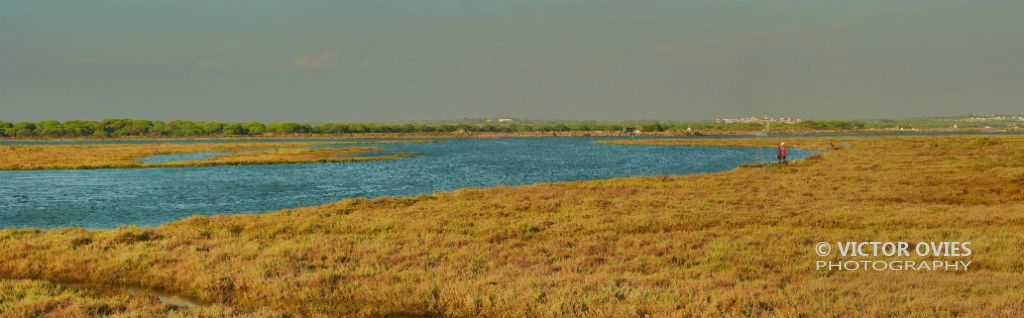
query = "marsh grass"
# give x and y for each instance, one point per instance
(100, 156)
(737, 243)
(31, 298)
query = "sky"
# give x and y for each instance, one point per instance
(401, 60)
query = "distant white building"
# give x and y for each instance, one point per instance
(994, 117)
(784, 120)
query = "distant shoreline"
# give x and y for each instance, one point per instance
(520, 134)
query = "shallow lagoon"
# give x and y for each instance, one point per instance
(107, 198)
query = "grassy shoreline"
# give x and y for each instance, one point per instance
(737, 243)
(107, 156)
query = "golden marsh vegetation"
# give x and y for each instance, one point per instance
(99, 156)
(737, 243)
(28, 298)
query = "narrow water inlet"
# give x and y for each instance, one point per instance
(176, 157)
(166, 297)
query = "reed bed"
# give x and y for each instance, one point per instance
(736, 244)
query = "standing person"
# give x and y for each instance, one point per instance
(782, 151)
(778, 153)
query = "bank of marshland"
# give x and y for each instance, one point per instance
(738, 243)
(100, 156)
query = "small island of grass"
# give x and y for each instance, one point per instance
(102, 156)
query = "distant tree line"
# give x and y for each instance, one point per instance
(184, 128)
(136, 127)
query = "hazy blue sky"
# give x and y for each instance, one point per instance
(381, 60)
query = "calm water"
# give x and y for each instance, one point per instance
(110, 197)
(181, 157)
